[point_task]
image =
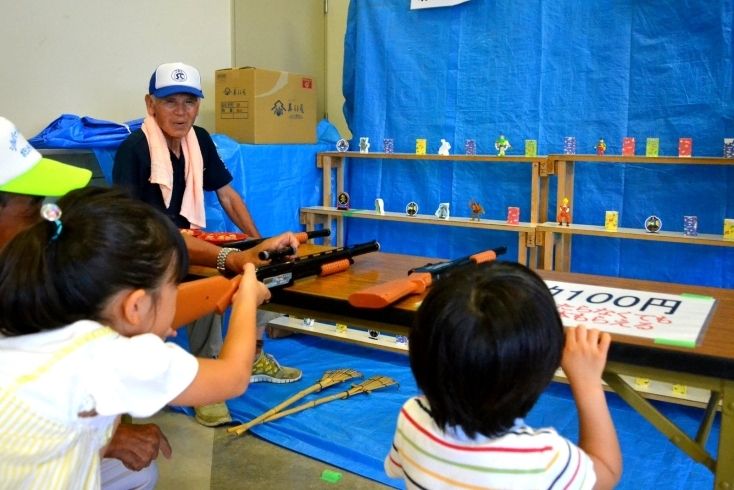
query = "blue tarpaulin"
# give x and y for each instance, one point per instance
(355, 434)
(544, 71)
(74, 132)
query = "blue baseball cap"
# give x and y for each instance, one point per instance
(175, 78)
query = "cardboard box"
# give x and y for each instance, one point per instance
(265, 106)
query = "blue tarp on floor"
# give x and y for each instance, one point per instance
(355, 434)
(544, 71)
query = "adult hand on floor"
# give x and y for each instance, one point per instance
(137, 445)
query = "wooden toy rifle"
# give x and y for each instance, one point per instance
(382, 295)
(214, 294)
(302, 237)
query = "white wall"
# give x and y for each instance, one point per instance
(285, 35)
(336, 28)
(95, 57)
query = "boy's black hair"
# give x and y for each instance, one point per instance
(109, 242)
(485, 344)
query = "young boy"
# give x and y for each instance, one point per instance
(486, 343)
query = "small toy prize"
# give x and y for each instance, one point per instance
(569, 145)
(652, 147)
(628, 147)
(601, 147)
(443, 211)
(364, 144)
(653, 224)
(690, 225)
(420, 146)
(611, 221)
(513, 216)
(685, 147)
(342, 201)
(379, 206)
(374, 334)
(388, 145)
(401, 339)
(502, 145)
(411, 209)
(728, 147)
(729, 229)
(342, 145)
(470, 147)
(444, 149)
(476, 210)
(341, 328)
(564, 213)
(531, 148)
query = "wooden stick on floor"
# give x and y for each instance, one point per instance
(329, 378)
(368, 386)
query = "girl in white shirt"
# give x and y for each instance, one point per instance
(88, 296)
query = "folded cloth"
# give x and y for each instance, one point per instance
(161, 171)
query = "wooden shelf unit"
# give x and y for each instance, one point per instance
(335, 161)
(555, 240)
(526, 231)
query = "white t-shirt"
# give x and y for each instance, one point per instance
(426, 456)
(111, 374)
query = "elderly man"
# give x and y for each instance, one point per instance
(169, 163)
(25, 179)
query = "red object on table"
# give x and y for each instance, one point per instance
(221, 238)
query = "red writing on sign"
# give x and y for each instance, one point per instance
(604, 316)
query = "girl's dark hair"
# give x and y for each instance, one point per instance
(485, 344)
(109, 242)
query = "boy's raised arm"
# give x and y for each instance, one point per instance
(583, 362)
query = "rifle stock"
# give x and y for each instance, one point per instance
(203, 296)
(418, 280)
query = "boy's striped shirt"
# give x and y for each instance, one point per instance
(429, 458)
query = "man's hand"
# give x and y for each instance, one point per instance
(137, 445)
(236, 260)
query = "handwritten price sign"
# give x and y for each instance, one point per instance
(666, 318)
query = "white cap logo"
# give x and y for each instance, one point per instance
(178, 75)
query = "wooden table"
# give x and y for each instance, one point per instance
(709, 366)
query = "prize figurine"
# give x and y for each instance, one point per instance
(342, 145)
(445, 147)
(501, 145)
(476, 210)
(411, 209)
(563, 214)
(342, 201)
(601, 147)
(653, 224)
(443, 211)
(364, 145)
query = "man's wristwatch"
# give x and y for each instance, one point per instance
(222, 259)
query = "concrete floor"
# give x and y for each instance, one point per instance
(205, 458)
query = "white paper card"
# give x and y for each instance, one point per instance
(666, 318)
(428, 4)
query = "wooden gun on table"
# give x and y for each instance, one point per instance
(383, 295)
(214, 294)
